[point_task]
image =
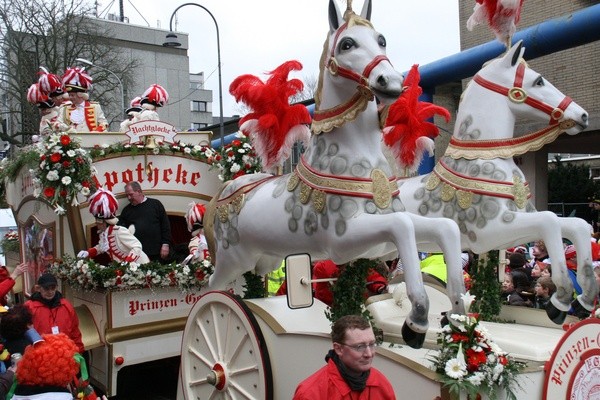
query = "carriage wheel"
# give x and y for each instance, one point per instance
(223, 353)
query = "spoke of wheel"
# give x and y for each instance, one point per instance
(215, 317)
(198, 382)
(241, 371)
(238, 388)
(236, 351)
(204, 333)
(199, 356)
(230, 317)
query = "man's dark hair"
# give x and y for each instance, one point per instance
(345, 323)
(15, 322)
(135, 185)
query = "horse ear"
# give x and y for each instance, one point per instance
(515, 53)
(366, 10)
(335, 16)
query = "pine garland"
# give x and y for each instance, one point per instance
(349, 290)
(486, 287)
(254, 287)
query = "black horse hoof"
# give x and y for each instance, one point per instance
(412, 338)
(444, 321)
(579, 310)
(557, 316)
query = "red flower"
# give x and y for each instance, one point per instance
(55, 157)
(475, 359)
(79, 160)
(459, 337)
(236, 143)
(66, 164)
(85, 184)
(42, 157)
(65, 140)
(239, 173)
(49, 191)
(218, 157)
(230, 153)
(200, 274)
(503, 360)
(63, 193)
(119, 273)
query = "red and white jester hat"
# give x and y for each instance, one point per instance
(195, 216)
(104, 205)
(155, 95)
(36, 96)
(135, 105)
(50, 84)
(77, 80)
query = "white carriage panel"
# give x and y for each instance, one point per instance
(134, 307)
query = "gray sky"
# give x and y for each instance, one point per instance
(257, 36)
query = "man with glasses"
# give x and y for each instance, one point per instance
(348, 373)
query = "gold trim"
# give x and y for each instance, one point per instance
(293, 182)
(491, 149)
(378, 186)
(319, 200)
(454, 185)
(237, 203)
(142, 330)
(209, 223)
(357, 104)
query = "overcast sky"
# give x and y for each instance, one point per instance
(258, 35)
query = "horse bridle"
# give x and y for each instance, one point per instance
(518, 95)
(327, 119)
(334, 68)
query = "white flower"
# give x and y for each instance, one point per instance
(467, 299)
(156, 150)
(59, 210)
(85, 191)
(186, 270)
(52, 176)
(105, 145)
(476, 379)
(498, 368)
(71, 153)
(187, 150)
(37, 192)
(455, 369)
(234, 168)
(133, 267)
(66, 180)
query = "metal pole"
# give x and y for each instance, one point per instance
(91, 64)
(221, 124)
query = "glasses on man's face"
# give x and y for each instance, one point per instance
(361, 348)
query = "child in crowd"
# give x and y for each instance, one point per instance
(544, 289)
(516, 289)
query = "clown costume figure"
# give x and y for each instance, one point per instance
(198, 247)
(117, 241)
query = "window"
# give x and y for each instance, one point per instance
(199, 106)
(198, 126)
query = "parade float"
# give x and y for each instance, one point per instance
(342, 202)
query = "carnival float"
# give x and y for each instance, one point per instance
(342, 202)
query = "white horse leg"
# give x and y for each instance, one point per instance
(446, 235)
(230, 265)
(368, 231)
(578, 232)
(545, 225)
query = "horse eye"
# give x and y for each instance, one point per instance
(346, 44)
(381, 41)
(539, 81)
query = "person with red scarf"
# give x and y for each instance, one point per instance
(349, 373)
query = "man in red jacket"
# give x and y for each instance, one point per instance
(52, 313)
(348, 373)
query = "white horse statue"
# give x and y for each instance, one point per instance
(478, 185)
(341, 202)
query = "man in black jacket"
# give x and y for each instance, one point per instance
(148, 216)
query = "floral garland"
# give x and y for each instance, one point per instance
(236, 159)
(10, 241)
(65, 171)
(469, 361)
(200, 152)
(87, 275)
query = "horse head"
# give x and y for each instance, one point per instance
(522, 93)
(354, 61)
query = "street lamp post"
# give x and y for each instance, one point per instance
(91, 64)
(171, 41)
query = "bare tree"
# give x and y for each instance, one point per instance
(53, 33)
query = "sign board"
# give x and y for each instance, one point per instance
(573, 371)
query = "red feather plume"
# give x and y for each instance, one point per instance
(273, 125)
(406, 130)
(501, 15)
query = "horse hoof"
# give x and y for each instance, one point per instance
(557, 316)
(578, 310)
(412, 338)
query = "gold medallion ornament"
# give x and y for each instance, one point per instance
(463, 187)
(315, 185)
(292, 182)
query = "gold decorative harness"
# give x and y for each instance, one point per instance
(315, 185)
